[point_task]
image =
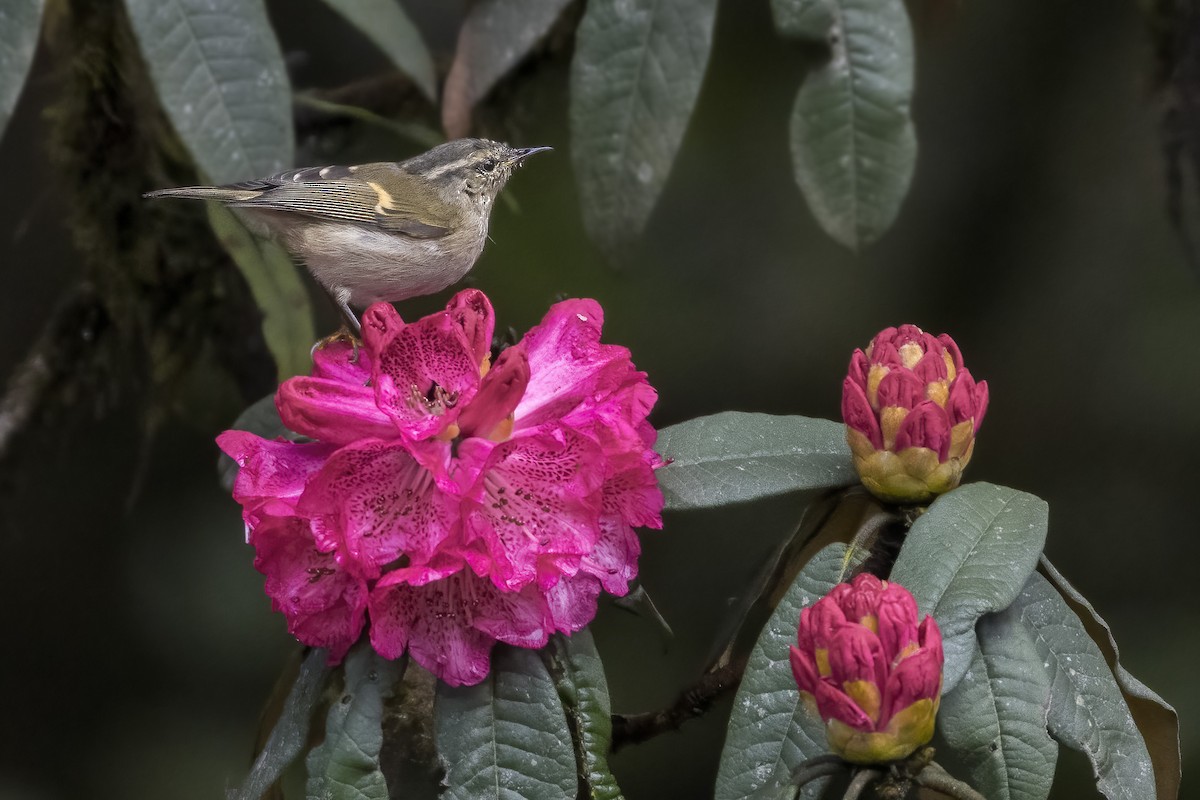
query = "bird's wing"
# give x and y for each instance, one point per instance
(349, 194)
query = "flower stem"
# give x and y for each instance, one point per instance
(862, 779)
(817, 767)
(936, 778)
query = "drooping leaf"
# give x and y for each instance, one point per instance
(1155, 718)
(639, 603)
(290, 733)
(854, 148)
(220, 76)
(20, 22)
(771, 730)
(494, 38)
(995, 719)
(579, 673)
(277, 288)
(734, 457)
(969, 555)
(386, 24)
(1087, 710)
(507, 737)
(346, 765)
(635, 77)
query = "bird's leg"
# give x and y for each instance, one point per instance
(341, 296)
(351, 330)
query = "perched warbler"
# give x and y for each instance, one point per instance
(385, 231)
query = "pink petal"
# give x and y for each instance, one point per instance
(614, 557)
(342, 362)
(499, 393)
(860, 368)
(572, 602)
(901, 388)
(863, 598)
(897, 617)
(332, 411)
(887, 354)
(375, 503)
(631, 491)
(538, 495)
(615, 418)
(833, 703)
(820, 621)
(472, 312)
(925, 426)
(929, 635)
(323, 603)
(981, 402)
(952, 348)
(931, 367)
(858, 414)
(960, 404)
(855, 654)
(804, 669)
(425, 374)
(380, 325)
(271, 475)
(917, 677)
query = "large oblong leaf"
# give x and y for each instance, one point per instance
(734, 457)
(20, 21)
(346, 765)
(995, 718)
(853, 144)
(579, 673)
(220, 76)
(1155, 718)
(635, 77)
(278, 291)
(968, 555)
(1087, 711)
(771, 730)
(385, 23)
(506, 737)
(494, 38)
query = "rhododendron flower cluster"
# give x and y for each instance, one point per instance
(445, 502)
(874, 674)
(911, 411)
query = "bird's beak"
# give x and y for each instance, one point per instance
(521, 153)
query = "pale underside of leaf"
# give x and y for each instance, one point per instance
(1155, 718)
(508, 736)
(220, 76)
(494, 38)
(1087, 711)
(20, 22)
(386, 24)
(584, 692)
(278, 291)
(995, 717)
(968, 555)
(771, 730)
(635, 77)
(734, 457)
(854, 147)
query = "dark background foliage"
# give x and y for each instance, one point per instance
(139, 646)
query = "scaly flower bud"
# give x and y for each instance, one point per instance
(911, 411)
(873, 673)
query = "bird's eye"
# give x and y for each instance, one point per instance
(487, 165)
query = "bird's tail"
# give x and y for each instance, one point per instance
(223, 194)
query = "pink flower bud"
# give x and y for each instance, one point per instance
(911, 411)
(873, 674)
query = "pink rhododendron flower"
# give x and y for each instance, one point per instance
(445, 502)
(911, 411)
(873, 673)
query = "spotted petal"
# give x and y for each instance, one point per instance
(271, 474)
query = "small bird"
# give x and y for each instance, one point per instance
(384, 231)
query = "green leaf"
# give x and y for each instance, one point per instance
(494, 38)
(290, 733)
(346, 765)
(1087, 711)
(969, 555)
(733, 457)
(995, 719)
(385, 23)
(634, 81)
(277, 288)
(853, 144)
(1155, 718)
(220, 76)
(583, 689)
(771, 731)
(20, 22)
(507, 737)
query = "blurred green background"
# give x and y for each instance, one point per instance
(139, 646)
